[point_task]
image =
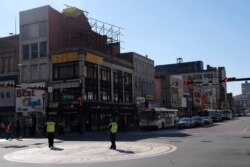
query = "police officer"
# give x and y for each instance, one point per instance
(113, 127)
(50, 129)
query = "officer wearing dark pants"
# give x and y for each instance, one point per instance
(113, 127)
(50, 132)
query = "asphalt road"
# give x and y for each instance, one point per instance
(222, 144)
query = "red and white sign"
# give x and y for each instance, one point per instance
(30, 100)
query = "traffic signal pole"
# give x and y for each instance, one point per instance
(234, 79)
(242, 79)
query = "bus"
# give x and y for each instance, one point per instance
(157, 118)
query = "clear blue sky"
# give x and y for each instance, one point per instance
(216, 32)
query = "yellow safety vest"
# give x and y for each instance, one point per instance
(114, 127)
(51, 126)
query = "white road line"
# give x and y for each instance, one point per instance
(244, 130)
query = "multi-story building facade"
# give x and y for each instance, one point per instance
(102, 81)
(206, 90)
(245, 88)
(87, 84)
(9, 53)
(169, 90)
(242, 101)
(143, 78)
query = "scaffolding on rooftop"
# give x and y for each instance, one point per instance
(112, 32)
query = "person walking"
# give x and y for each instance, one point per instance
(2, 130)
(113, 127)
(8, 130)
(50, 129)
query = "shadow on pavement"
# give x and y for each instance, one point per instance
(15, 146)
(56, 149)
(123, 136)
(125, 151)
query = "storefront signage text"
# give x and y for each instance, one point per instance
(62, 58)
(29, 103)
(24, 93)
(93, 58)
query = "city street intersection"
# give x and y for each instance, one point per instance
(222, 144)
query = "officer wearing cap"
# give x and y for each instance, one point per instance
(50, 129)
(113, 127)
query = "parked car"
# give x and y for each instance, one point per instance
(226, 115)
(207, 119)
(216, 116)
(197, 120)
(185, 122)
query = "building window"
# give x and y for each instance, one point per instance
(34, 73)
(43, 29)
(209, 76)
(66, 71)
(6, 64)
(34, 30)
(91, 93)
(197, 77)
(127, 79)
(118, 95)
(43, 71)
(25, 32)
(105, 73)
(128, 96)
(117, 77)
(105, 94)
(26, 53)
(91, 71)
(34, 51)
(26, 73)
(43, 49)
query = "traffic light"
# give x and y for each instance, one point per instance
(229, 79)
(9, 84)
(39, 87)
(80, 101)
(188, 82)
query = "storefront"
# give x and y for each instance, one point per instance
(70, 114)
(98, 115)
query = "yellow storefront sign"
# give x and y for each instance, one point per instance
(93, 58)
(149, 97)
(63, 58)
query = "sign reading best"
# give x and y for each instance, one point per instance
(30, 100)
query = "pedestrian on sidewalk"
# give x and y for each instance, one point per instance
(113, 127)
(2, 130)
(50, 129)
(8, 130)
